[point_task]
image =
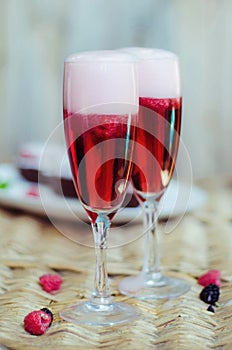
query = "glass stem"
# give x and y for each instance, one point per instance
(151, 267)
(101, 293)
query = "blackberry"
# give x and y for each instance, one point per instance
(210, 294)
(48, 312)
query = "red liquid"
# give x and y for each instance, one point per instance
(157, 140)
(100, 158)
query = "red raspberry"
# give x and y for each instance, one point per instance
(212, 276)
(37, 322)
(51, 282)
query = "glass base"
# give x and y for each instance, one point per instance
(145, 287)
(93, 314)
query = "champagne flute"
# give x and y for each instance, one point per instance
(100, 111)
(154, 159)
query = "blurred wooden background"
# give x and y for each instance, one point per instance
(36, 35)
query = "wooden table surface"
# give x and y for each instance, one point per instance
(31, 246)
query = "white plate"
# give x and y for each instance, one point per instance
(178, 199)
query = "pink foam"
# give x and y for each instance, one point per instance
(159, 73)
(101, 82)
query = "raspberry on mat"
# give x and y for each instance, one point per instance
(51, 282)
(37, 322)
(212, 276)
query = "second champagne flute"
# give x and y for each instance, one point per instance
(157, 140)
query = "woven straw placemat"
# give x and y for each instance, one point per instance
(31, 246)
